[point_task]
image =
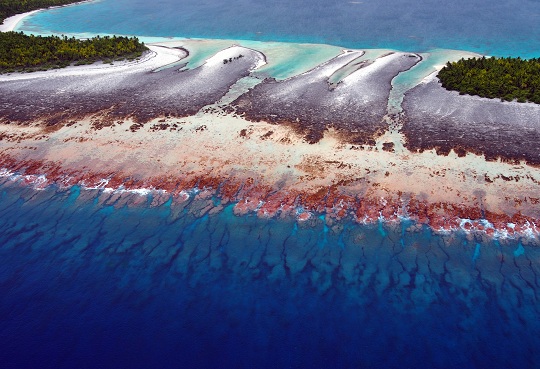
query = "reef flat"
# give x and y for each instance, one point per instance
(328, 140)
(436, 118)
(354, 105)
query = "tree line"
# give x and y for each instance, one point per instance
(12, 7)
(20, 52)
(505, 78)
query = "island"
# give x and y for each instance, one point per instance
(505, 78)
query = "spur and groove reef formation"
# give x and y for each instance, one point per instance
(177, 271)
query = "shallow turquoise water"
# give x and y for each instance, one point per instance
(490, 27)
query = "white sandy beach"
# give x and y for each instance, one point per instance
(156, 58)
(10, 24)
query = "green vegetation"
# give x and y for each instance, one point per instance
(505, 78)
(19, 52)
(12, 7)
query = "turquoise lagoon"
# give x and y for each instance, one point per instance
(501, 28)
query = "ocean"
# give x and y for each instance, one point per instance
(88, 283)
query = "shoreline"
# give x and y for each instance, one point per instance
(190, 199)
(10, 23)
(284, 172)
(357, 176)
(155, 58)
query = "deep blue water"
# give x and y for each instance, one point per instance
(85, 284)
(494, 27)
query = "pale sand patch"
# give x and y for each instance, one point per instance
(157, 57)
(11, 23)
(284, 59)
(282, 157)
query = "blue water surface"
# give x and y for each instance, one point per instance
(493, 27)
(86, 283)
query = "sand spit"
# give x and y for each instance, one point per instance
(444, 120)
(156, 57)
(140, 94)
(10, 23)
(135, 130)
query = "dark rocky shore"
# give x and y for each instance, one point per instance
(141, 95)
(445, 120)
(348, 93)
(309, 103)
